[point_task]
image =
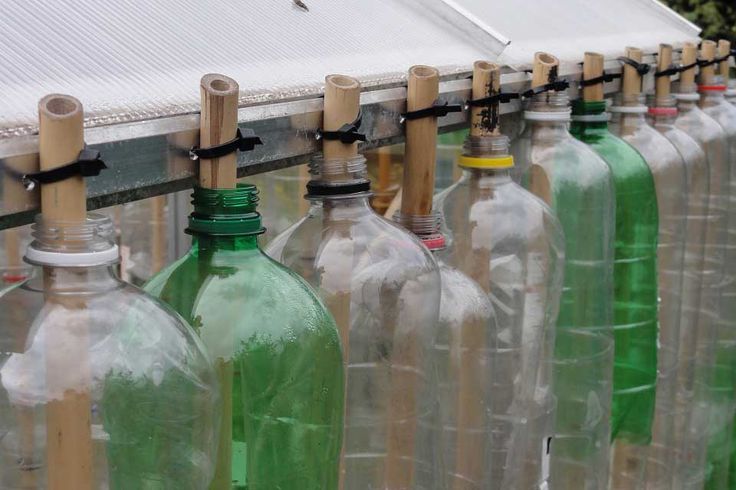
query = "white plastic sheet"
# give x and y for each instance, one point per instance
(569, 28)
(130, 60)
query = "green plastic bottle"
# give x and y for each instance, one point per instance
(275, 347)
(635, 275)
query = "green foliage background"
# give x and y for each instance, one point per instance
(716, 17)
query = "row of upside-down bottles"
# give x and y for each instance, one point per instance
(563, 316)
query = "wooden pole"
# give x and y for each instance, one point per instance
(593, 68)
(342, 105)
(708, 53)
(724, 49)
(68, 429)
(631, 84)
(664, 61)
(421, 143)
(689, 56)
(485, 121)
(545, 69)
(218, 125)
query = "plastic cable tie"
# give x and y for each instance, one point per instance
(435, 110)
(501, 97)
(606, 77)
(672, 70)
(641, 68)
(245, 140)
(556, 86)
(347, 134)
(703, 63)
(88, 164)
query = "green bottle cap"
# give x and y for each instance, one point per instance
(582, 107)
(224, 212)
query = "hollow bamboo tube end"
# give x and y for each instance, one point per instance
(664, 61)
(631, 84)
(544, 70)
(218, 124)
(689, 56)
(593, 68)
(724, 50)
(342, 105)
(708, 53)
(60, 139)
(485, 121)
(421, 142)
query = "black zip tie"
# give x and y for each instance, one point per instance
(245, 140)
(641, 68)
(556, 86)
(606, 77)
(721, 59)
(88, 164)
(672, 70)
(435, 110)
(317, 188)
(500, 97)
(347, 134)
(703, 63)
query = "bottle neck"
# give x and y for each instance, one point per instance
(710, 98)
(344, 207)
(76, 280)
(202, 243)
(589, 116)
(549, 130)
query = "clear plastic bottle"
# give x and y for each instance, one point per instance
(692, 411)
(578, 185)
(383, 288)
(466, 339)
(635, 284)
(662, 115)
(275, 347)
(76, 338)
(723, 399)
(511, 244)
(670, 182)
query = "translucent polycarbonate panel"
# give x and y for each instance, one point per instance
(670, 183)
(568, 28)
(692, 416)
(383, 288)
(134, 63)
(578, 185)
(101, 385)
(664, 449)
(511, 244)
(464, 351)
(723, 384)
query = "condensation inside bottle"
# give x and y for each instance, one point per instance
(577, 184)
(510, 243)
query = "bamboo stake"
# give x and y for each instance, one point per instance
(158, 235)
(631, 79)
(664, 61)
(421, 142)
(593, 68)
(708, 53)
(342, 105)
(724, 49)
(218, 125)
(68, 429)
(689, 56)
(485, 121)
(545, 69)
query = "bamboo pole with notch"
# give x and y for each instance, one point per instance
(593, 68)
(724, 51)
(69, 452)
(485, 121)
(341, 106)
(631, 82)
(689, 56)
(662, 85)
(218, 125)
(708, 53)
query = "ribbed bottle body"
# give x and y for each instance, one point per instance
(578, 186)
(275, 348)
(383, 288)
(635, 284)
(510, 243)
